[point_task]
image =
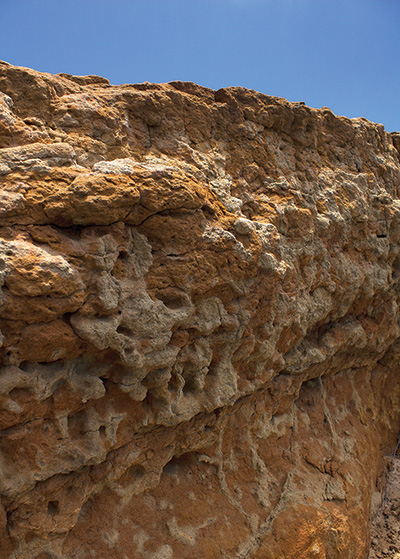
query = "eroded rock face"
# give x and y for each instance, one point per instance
(199, 315)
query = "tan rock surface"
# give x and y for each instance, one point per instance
(199, 316)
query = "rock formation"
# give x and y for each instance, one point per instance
(199, 314)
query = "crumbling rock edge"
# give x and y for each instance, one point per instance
(199, 320)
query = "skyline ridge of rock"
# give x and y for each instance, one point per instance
(199, 322)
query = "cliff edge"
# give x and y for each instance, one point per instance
(199, 315)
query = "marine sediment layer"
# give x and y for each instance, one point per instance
(199, 314)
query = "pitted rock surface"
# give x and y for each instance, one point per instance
(199, 314)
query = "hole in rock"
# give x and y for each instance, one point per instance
(108, 356)
(171, 298)
(133, 474)
(66, 317)
(381, 236)
(138, 471)
(73, 232)
(178, 463)
(52, 508)
(172, 467)
(102, 431)
(24, 365)
(19, 394)
(190, 386)
(124, 330)
(208, 209)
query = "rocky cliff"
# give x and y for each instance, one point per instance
(199, 315)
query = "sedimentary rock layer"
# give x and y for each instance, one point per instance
(199, 316)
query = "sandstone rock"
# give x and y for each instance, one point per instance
(199, 314)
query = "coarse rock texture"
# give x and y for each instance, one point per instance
(199, 316)
(386, 524)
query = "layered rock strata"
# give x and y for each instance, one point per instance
(199, 316)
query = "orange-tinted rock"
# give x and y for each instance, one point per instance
(199, 318)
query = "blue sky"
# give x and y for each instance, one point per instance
(344, 54)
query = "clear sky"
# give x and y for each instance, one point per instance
(344, 54)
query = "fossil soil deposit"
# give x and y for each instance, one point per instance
(199, 314)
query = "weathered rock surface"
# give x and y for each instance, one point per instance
(199, 316)
(385, 532)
